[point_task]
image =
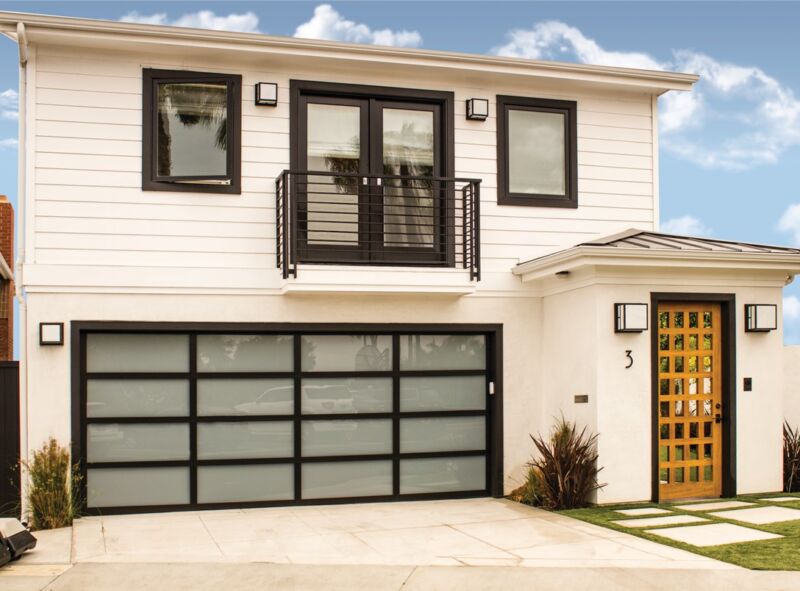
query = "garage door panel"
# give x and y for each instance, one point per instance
(346, 395)
(438, 475)
(443, 393)
(330, 480)
(149, 353)
(442, 434)
(421, 352)
(137, 398)
(235, 353)
(346, 353)
(134, 487)
(245, 439)
(346, 437)
(245, 484)
(245, 396)
(137, 442)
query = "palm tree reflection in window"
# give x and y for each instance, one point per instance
(192, 129)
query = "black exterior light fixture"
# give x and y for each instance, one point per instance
(630, 317)
(51, 333)
(760, 317)
(477, 109)
(266, 94)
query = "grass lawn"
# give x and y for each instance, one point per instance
(777, 554)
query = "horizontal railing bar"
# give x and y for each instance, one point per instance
(378, 176)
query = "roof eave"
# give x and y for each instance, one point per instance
(656, 81)
(581, 256)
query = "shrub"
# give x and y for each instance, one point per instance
(791, 458)
(52, 487)
(564, 474)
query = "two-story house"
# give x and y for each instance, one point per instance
(262, 270)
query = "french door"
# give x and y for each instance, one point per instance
(377, 198)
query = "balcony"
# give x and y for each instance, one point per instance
(338, 218)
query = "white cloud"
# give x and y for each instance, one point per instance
(790, 222)
(737, 117)
(9, 104)
(791, 308)
(10, 143)
(204, 19)
(685, 226)
(327, 23)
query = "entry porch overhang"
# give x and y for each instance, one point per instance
(639, 249)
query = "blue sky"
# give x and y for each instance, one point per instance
(730, 151)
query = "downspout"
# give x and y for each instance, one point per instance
(22, 197)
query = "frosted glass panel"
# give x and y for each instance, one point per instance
(347, 353)
(137, 398)
(119, 442)
(251, 439)
(442, 475)
(347, 395)
(442, 434)
(240, 484)
(536, 153)
(336, 438)
(137, 352)
(132, 487)
(245, 397)
(346, 479)
(244, 353)
(443, 393)
(442, 352)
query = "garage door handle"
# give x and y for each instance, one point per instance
(491, 388)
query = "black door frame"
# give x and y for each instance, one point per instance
(301, 90)
(494, 410)
(727, 303)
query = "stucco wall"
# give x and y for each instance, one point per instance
(791, 384)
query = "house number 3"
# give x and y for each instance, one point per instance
(629, 357)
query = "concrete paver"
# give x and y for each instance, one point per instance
(715, 534)
(713, 506)
(656, 521)
(761, 515)
(779, 499)
(643, 511)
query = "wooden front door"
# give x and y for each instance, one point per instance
(690, 406)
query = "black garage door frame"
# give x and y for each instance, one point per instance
(494, 374)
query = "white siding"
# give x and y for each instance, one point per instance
(90, 211)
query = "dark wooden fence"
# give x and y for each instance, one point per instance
(9, 437)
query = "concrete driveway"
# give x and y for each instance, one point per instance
(474, 532)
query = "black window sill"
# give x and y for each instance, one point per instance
(232, 189)
(537, 201)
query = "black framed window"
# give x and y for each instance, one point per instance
(191, 134)
(537, 163)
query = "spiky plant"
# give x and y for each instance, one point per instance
(563, 475)
(53, 486)
(791, 458)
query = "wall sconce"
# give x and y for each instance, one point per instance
(760, 317)
(51, 333)
(630, 317)
(477, 109)
(266, 94)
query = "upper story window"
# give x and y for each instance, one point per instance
(191, 131)
(536, 152)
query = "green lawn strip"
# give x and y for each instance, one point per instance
(778, 554)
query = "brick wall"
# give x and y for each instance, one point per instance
(6, 287)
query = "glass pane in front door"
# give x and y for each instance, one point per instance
(333, 145)
(409, 207)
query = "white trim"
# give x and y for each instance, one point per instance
(656, 195)
(112, 33)
(581, 256)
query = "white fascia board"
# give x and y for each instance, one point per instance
(112, 33)
(581, 256)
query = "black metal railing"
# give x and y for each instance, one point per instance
(351, 218)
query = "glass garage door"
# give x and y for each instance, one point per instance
(195, 419)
